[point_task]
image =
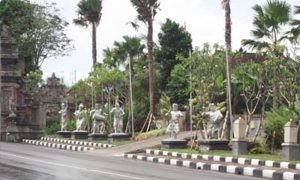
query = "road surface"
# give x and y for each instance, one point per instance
(27, 162)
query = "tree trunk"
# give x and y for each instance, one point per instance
(150, 65)
(94, 44)
(228, 25)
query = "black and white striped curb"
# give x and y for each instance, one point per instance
(57, 146)
(82, 143)
(246, 171)
(242, 161)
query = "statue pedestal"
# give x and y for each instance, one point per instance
(118, 137)
(64, 134)
(291, 151)
(97, 137)
(79, 135)
(173, 143)
(213, 144)
(239, 147)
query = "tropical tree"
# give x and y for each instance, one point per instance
(226, 7)
(147, 10)
(129, 49)
(37, 29)
(268, 34)
(90, 12)
(173, 40)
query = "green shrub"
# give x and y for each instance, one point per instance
(150, 134)
(71, 125)
(260, 147)
(51, 128)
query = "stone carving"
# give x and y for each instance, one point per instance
(79, 115)
(118, 118)
(64, 116)
(215, 122)
(98, 117)
(173, 127)
(12, 107)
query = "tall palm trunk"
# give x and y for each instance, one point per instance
(94, 43)
(228, 25)
(150, 64)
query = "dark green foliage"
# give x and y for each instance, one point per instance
(177, 87)
(278, 117)
(173, 40)
(51, 128)
(71, 125)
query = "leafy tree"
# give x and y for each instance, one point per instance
(90, 11)
(147, 10)
(269, 21)
(34, 79)
(38, 31)
(173, 40)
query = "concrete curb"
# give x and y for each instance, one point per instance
(82, 143)
(246, 171)
(242, 161)
(57, 146)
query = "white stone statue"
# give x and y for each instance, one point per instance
(12, 107)
(79, 115)
(215, 122)
(118, 118)
(98, 117)
(173, 127)
(64, 116)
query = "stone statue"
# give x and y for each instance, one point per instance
(12, 107)
(118, 118)
(173, 127)
(64, 116)
(98, 117)
(79, 115)
(215, 122)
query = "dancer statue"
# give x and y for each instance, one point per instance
(98, 117)
(64, 116)
(79, 115)
(215, 122)
(118, 118)
(173, 127)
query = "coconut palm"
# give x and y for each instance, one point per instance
(226, 7)
(89, 12)
(130, 49)
(147, 10)
(268, 22)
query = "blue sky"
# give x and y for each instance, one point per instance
(204, 19)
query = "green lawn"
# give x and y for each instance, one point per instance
(274, 157)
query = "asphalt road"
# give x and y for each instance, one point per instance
(27, 162)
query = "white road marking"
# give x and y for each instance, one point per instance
(74, 167)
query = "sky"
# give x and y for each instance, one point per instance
(204, 19)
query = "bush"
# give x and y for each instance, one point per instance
(260, 147)
(71, 125)
(51, 128)
(150, 134)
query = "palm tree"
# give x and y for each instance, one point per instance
(89, 12)
(147, 10)
(131, 48)
(269, 21)
(226, 7)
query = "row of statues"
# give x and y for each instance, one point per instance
(214, 124)
(97, 116)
